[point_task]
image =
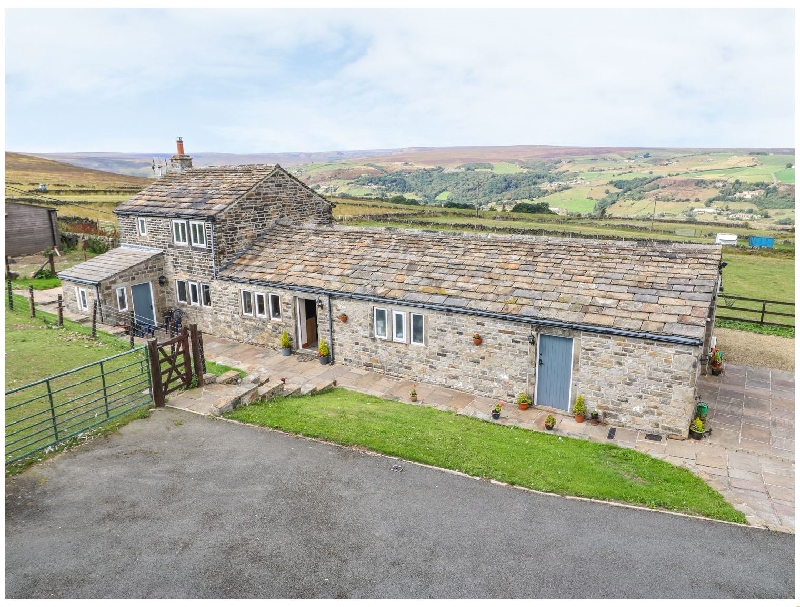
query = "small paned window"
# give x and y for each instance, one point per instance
(261, 305)
(197, 232)
(194, 294)
(380, 323)
(142, 226)
(417, 329)
(399, 326)
(247, 303)
(206, 293)
(83, 300)
(181, 291)
(274, 306)
(179, 232)
(122, 299)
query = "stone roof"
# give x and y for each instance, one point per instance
(201, 192)
(656, 288)
(108, 264)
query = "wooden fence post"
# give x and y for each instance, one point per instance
(187, 369)
(60, 311)
(10, 295)
(196, 354)
(94, 320)
(33, 305)
(155, 373)
(132, 327)
(52, 263)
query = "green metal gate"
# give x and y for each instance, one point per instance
(50, 411)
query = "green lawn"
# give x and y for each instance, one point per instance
(536, 460)
(759, 276)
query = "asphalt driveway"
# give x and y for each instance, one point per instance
(181, 506)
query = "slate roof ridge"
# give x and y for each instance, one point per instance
(655, 245)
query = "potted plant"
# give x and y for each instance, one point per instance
(549, 422)
(496, 410)
(579, 410)
(697, 428)
(716, 362)
(324, 352)
(702, 410)
(343, 317)
(523, 400)
(477, 339)
(595, 417)
(414, 393)
(286, 344)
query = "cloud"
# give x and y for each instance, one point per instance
(307, 80)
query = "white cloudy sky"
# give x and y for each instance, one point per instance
(315, 80)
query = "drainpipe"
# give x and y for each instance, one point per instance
(330, 327)
(99, 307)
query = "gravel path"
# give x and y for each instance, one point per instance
(753, 349)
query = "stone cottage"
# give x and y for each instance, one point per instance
(248, 252)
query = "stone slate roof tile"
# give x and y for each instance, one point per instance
(108, 264)
(659, 288)
(201, 192)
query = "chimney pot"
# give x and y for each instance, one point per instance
(180, 146)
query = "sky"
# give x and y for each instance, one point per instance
(309, 80)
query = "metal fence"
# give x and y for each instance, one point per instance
(53, 410)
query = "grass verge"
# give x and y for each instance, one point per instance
(754, 327)
(218, 369)
(510, 454)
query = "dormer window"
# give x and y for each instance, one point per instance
(179, 232)
(142, 226)
(197, 233)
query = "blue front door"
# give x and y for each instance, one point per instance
(555, 371)
(143, 307)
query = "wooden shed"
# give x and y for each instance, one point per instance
(30, 229)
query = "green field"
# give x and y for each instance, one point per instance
(506, 168)
(759, 276)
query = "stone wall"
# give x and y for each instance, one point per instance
(635, 383)
(279, 197)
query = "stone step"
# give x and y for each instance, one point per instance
(270, 390)
(291, 389)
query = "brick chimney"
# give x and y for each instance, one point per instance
(180, 161)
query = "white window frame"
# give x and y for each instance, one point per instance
(205, 288)
(142, 224)
(278, 299)
(386, 323)
(411, 329)
(124, 299)
(404, 338)
(263, 298)
(181, 242)
(252, 307)
(194, 293)
(201, 231)
(83, 299)
(178, 291)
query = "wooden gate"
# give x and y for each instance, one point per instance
(170, 363)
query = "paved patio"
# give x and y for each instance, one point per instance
(748, 457)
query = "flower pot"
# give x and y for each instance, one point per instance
(716, 370)
(324, 360)
(702, 410)
(477, 341)
(595, 421)
(695, 434)
(413, 398)
(286, 351)
(549, 426)
(343, 317)
(495, 415)
(524, 406)
(579, 417)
